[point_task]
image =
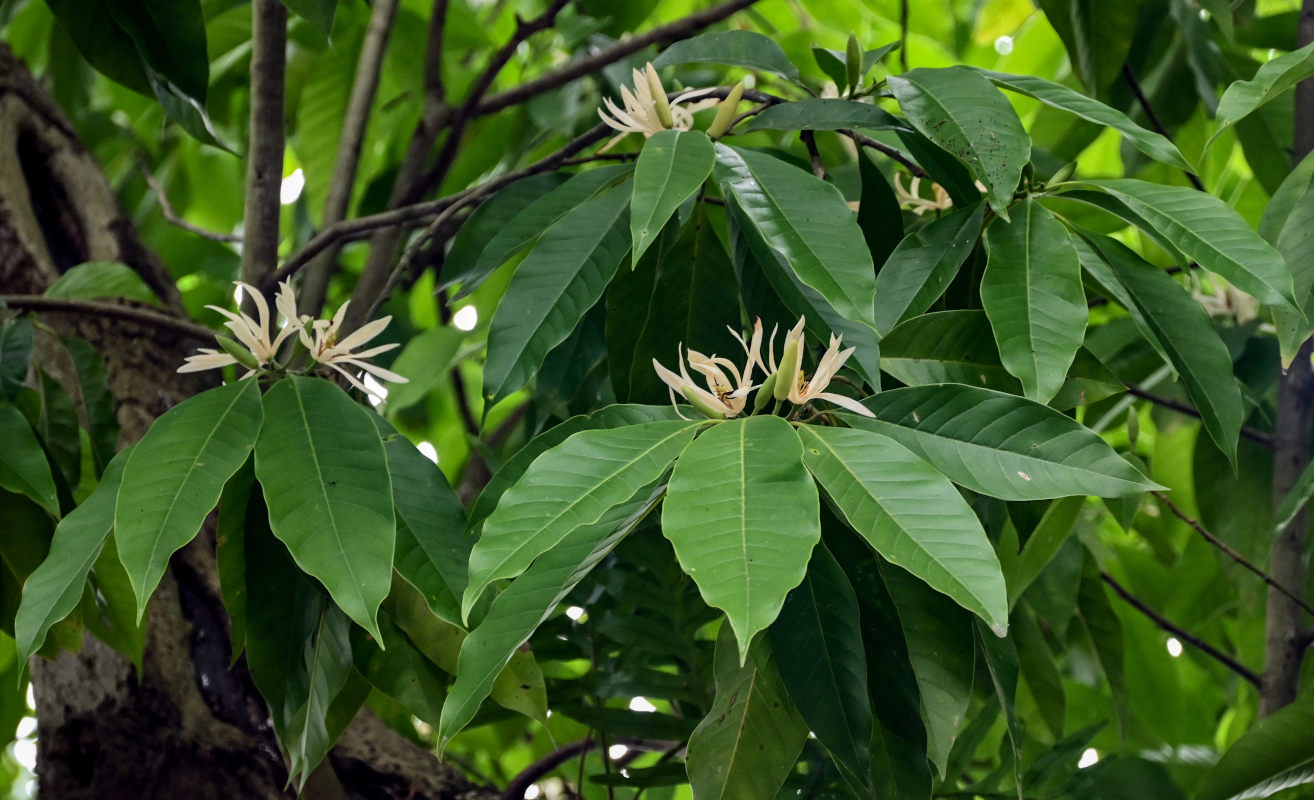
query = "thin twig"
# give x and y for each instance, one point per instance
(166, 209)
(903, 34)
(809, 139)
(32, 302)
(1228, 551)
(531, 774)
(881, 147)
(1144, 101)
(1258, 437)
(1181, 634)
(264, 170)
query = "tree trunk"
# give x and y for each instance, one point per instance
(187, 726)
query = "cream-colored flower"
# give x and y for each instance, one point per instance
(253, 334)
(325, 348)
(911, 197)
(791, 383)
(646, 108)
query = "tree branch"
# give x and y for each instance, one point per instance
(809, 139)
(1258, 437)
(264, 166)
(1189, 638)
(33, 302)
(881, 147)
(1144, 101)
(166, 209)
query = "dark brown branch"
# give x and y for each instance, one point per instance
(1189, 638)
(1258, 437)
(881, 147)
(1212, 539)
(32, 302)
(264, 166)
(1144, 101)
(810, 142)
(166, 209)
(903, 34)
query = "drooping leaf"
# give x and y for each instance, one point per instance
(175, 475)
(571, 486)
(97, 279)
(1042, 545)
(325, 478)
(57, 427)
(400, 671)
(748, 742)
(102, 42)
(670, 169)
(97, 401)
(1001, 445)
(554, 286)
(1273, 79)
(1288, 225)
(879, 215)
(910, 513)
(742, 513)
(1275, 754)
(923, 265)
(1103, 630)
(823, 114)
(1039, 669)
(110, 610)
(15, 355)
(169, 36)
(1001, 662)
(1096, 35)
(23, 465)
(489, 220)
(739, 48)
(963, 113)
(1031, 291)
(230, 551)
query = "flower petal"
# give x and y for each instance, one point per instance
(845, 402)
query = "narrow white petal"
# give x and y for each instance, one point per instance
(362, 334)
(379, 372)
(845, 402)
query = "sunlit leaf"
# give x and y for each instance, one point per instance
(1272, 80)
(671, 167)
(823, 114)
(923, 264)
(97, 279)
(1276, 754)
(738, 47)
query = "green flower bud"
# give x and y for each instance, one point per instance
(1064, 172)
(725, 112)
(703, 408)
(783, 384)
(853, 62)
(237, 351)
(765, 392)
(659, 102)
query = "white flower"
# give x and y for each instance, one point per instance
(252, 334)
(646, 108)
(912, 196)
(797, 388)
(325, 348)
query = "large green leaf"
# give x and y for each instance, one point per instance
(110, 608)
(175, 475)
(555, 285)
(747, 744)
(1179, 328)
(23, 465)
(400, 671)
(52, 591)
(1040, 669)
(910, 513)
(169, 36)
(738, 47)
(319, 13)
(1272, 80)
(489, 220)
(817, 641)
(230, 550)
(671, 167)
(1206, 230)
(1001, 445)
(1276, 754)
(325, 478)
(1097, 35)
(742, 513)
(571, 486)
(1056, 95)
(1288, 225)
(923, 264)
(1041, 546)
(823, 114)
(530, 599)
(97, 401)
(16, 343)
(807, 222)
(963, 113)
(1000, 658)
(1031, 291)
(96, 279)
(958, 347)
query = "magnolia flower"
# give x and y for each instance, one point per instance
(251, 334)
(325, 348)
(646, 108)
(792, 385)
(912, 197)
(728, 386)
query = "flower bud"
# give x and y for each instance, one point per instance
(765, 392)
(1064, 172)
(237, 351)
(703, 408)
(853, 62)
(725, 112)
(790, 356)
(659, 102)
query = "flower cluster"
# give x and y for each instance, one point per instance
(728, 386)
(647, 110)
(255, 349)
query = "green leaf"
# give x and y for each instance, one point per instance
(1000, 657)
(319, 13)
(1000, 445)
(923, 264)
(1272, 80)
(1206, 230)
(1275, 754)
(23, 465)
(958, 347)
(555, 285)
(963, 113)
(230, 551)
(879, 215)
(1031, 291)
(807, 222)
(1041, 547)
(742, 513)
(1096, 34)
(96, 279)
(1288, 225)
(325, 479)
(817, 640)
(97, 401)
(169, 35)
(833, 62)
(747, 744)
(487, 222)
(102, 42)
(110, 610)
(738, 48)
(1056, 95)
(424, 360)
(401, 671)
(57, 428)
(176, 474)
(569, 487)
(1102, 628)
(910, 513)
(52, 591)
(1294, 501)
(1179, 329)
(15, 355)
(1038, 666)
(530, 599)
(671, 168)
(824, 114)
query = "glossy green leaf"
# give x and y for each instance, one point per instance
(400, 671)
(102, 42)
(910, 513)
(1288, 225)
(57, 428)
(1001, 662)
(879, 214)
(52, 591)
(1101, 627)
(97, 279)
(923, 265)
(1031, 291)
(823, 114)
(175, 476)
(807, 222)
(110, 607)
(958, 347)
(1274, 755)
(1273, 79)
(1042, 545)
(671, 168)
(1038, 667)
(833, 62)
(319, 13)
(97, 401)
(738, 47)
(424, 360)
(1295, 500)
(1096, 35)
(1001, 445)
(230, 551)
(23, 465)
(1179, 328)
(1206, 230)
(325, 478)
(487, 222)
(817, 642)
(569, 487)
(742, 513)
(1056, 95)
(963, 113)
(15, 355)
(748, 742)
(555, 285)
(169, 36)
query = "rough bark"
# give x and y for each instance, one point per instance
(187, 725)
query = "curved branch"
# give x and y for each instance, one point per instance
(34, 302)
(1258, 437)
